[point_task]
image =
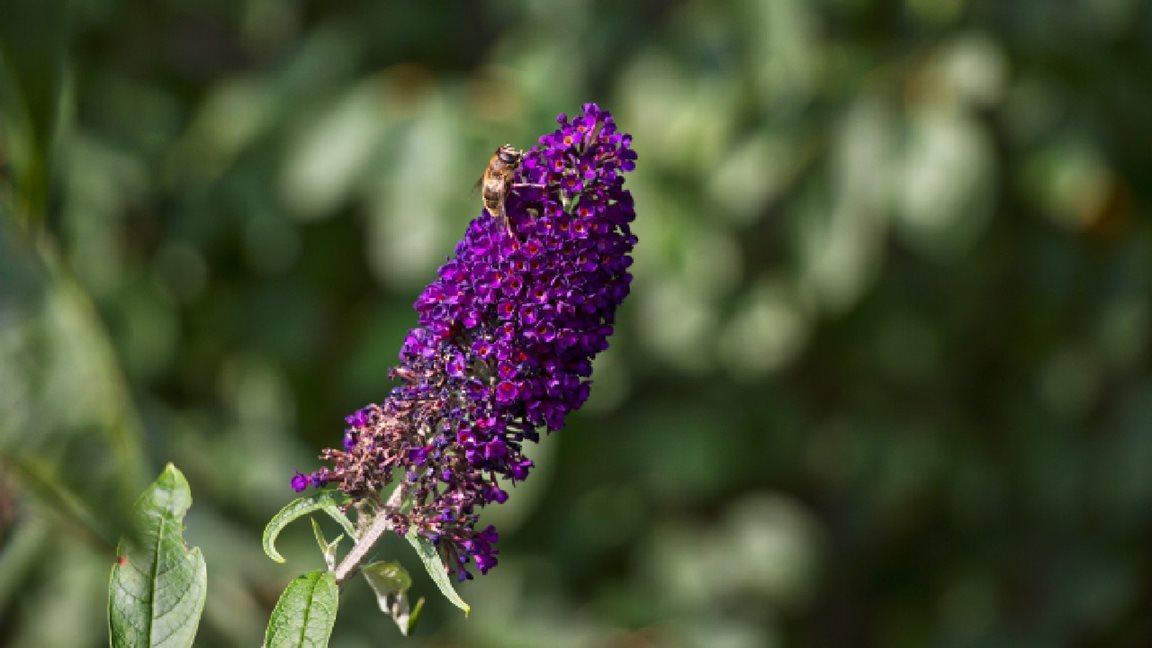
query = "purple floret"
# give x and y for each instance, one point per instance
(300, 482)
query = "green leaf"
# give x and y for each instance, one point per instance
(85, 461)
(305, 613)
(26, 547)
(327, 548)
(327, 501)
(391, 581)
(413, 618)
(435, 568)
(390, 577)
(44, 480)
(33, 60)
(157, 589)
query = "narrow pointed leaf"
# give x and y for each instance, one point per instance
(326, 548)
(326, 501)
(414, 617)
(431, 559)
(305, 613)
(157, 589)
(33, 67)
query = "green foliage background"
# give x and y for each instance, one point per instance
(884, 378)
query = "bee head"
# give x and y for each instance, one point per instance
(509, 154)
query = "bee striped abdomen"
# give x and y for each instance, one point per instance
(494, 191)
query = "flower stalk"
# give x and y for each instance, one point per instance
(381, 523)
(503, 349)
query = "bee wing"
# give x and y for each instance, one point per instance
(476, 187)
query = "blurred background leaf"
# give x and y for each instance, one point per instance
(884, 378)
(33, 49)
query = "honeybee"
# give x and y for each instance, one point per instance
(497, 182)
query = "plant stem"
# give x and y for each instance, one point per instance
(381, 524)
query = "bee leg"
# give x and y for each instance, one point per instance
(508, 224)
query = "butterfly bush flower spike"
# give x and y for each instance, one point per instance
(504, 345)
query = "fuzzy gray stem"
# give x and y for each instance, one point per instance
(381, 524)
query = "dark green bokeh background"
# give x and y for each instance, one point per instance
(883, 380)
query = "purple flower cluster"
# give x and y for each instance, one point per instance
(504, 345)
